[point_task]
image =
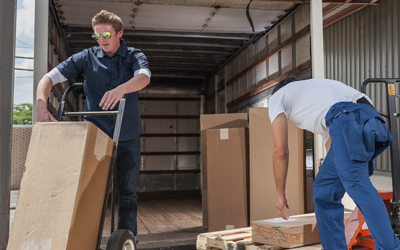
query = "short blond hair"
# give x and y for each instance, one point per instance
(106, 17)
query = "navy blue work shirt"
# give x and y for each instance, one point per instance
(103, 73)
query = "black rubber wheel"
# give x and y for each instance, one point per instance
(121, 240)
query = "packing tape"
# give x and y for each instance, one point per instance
(29, 244)
(224, 134)
(100, 146)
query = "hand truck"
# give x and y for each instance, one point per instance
(122, 239)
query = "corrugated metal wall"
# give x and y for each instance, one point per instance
(366, 45)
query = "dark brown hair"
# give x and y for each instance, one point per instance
(283, 83)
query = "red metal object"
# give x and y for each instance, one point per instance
(356, 236)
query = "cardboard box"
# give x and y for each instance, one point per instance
(227, 167)
(299, 230)
(214, 121)
(63, 187)
(262, 182)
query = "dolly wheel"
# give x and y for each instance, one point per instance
(121, 240)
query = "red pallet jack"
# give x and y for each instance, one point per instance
(357, 237)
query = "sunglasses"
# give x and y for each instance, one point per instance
(106, 35)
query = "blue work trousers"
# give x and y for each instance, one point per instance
(337, 175)
(128, 168)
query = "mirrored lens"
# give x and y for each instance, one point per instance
(106, 35)
(96, 36)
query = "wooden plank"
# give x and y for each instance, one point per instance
(270, 83)
(170, 117)
(353, 2)
(54, 42)
(235, 239)
(180, 215)
(331, 7)
(290, 40)
(342, 14)
(188, 171)
(170, 135)
(145, 98)
(172, 153)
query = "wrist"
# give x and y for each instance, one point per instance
(41, 105)
(281, 194)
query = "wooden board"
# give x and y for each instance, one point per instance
(237, 239)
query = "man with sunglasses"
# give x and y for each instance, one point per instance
(110, 70)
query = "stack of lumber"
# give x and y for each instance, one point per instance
(237, 239)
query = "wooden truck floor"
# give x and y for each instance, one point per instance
(166, 223)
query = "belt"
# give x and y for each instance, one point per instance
(364, 100)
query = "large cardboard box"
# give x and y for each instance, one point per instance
(62, 190)
(214, 121)
(262, 182)
(299, 230)
(227, 163)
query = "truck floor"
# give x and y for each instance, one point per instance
(165, 223)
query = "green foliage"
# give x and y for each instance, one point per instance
(22, 113)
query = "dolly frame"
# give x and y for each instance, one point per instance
(112, 172)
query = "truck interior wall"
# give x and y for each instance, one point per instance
(57, 53)
(155, 166)
(288, 58)
(302, 19)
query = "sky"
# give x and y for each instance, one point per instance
(23, 81)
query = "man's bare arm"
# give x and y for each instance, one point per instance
(42, 94)
(281, 161)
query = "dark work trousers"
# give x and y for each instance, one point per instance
(128, 167)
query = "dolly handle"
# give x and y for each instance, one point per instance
(61, 105)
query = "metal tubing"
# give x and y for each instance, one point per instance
(7, 41)
(394, 147)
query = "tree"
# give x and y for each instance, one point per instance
(22, 113)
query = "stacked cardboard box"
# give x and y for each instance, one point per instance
(227, 161)
(260, 202)
(221, 121)
(63, 187)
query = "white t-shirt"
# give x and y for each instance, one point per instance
(307, 102)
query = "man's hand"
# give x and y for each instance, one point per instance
(111, 98)
(281, 203)
(45, 117)
(42, 114)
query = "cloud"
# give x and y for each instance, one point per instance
(23, 82)
(25, 22)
